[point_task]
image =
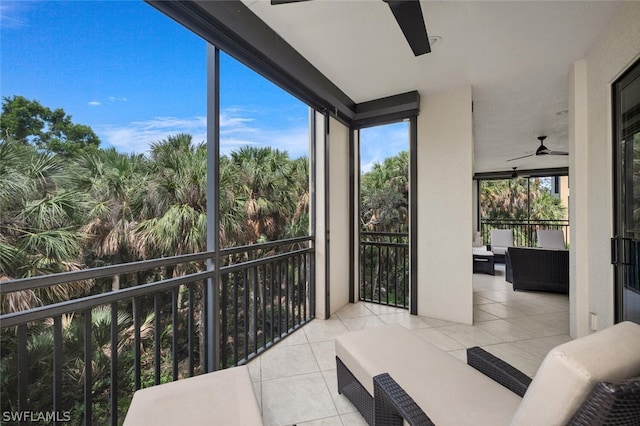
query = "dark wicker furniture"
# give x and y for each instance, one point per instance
(350, 387)
(483, 262)
(538, 269)
(607, 404)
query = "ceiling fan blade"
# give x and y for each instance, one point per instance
(558, 153)
(524, 156)
(276, 2)
(408, 14)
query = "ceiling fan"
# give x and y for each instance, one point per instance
(542, 150)
(408, 14)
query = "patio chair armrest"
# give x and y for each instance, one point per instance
(498, 370)
(393, 404)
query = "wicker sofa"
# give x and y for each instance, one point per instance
(538, 269)
(391, 374)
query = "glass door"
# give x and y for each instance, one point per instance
(626, 241)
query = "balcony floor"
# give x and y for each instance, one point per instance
(296, 383)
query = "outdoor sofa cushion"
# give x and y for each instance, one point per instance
(451, 393)
(570, 371)
(551, 238)
(438, 382)
(501, 240)
(224, 397)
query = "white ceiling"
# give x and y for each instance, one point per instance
(515, 54)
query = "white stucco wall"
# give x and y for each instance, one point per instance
(578, 176)
(445, 206)
(339, 215)
(592, 217)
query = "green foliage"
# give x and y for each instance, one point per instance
(384, 202)
(27, 121)
(66, 204)
(384, 207)
(507, 199)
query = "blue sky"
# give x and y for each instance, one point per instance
(135, 76)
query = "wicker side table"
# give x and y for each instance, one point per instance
(483, 261)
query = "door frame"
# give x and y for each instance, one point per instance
(618, 240)
(354, 210)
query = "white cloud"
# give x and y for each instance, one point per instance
(235, 131)
(117, 99)
(137, 136)
(94, 103)
(10, 15)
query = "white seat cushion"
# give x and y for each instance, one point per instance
(481, 251)
(570, 371)
(224, 397)
(551, 238)
(501, 238)
(449, 391)
(499, 250)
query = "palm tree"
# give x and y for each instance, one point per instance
(175, 202)
(40, 349)
(267, 186)
(116, 183)
(385, 195)
(40, 223)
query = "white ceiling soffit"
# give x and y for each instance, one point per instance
(515, 54)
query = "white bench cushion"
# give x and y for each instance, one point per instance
(224, 397)
(570, 371)
(481, 251)
(449, 391)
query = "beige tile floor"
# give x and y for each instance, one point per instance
(296, 383)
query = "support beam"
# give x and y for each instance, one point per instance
(213, 207)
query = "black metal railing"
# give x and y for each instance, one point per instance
(384, 268)
(524, 231)
(148, 333)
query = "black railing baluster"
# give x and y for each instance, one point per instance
(270, 271)
(57, 366)
(236, 344)
(256, 292)
(263, 296)
(296, 289)
(524, 231)
(174, 333)
(157, 336)
(23, 369)
(202, 338)
(383, 268)
(135, 306)
(395, 275)
(224, 331)
(271, 302)
(190, 330)
(379, 269)
(387, 270)
(286, 295)
(304, 283)
(114, 364)
(279, 284)
(88, 368)
(245, 312)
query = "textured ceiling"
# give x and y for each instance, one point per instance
(516, 55)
